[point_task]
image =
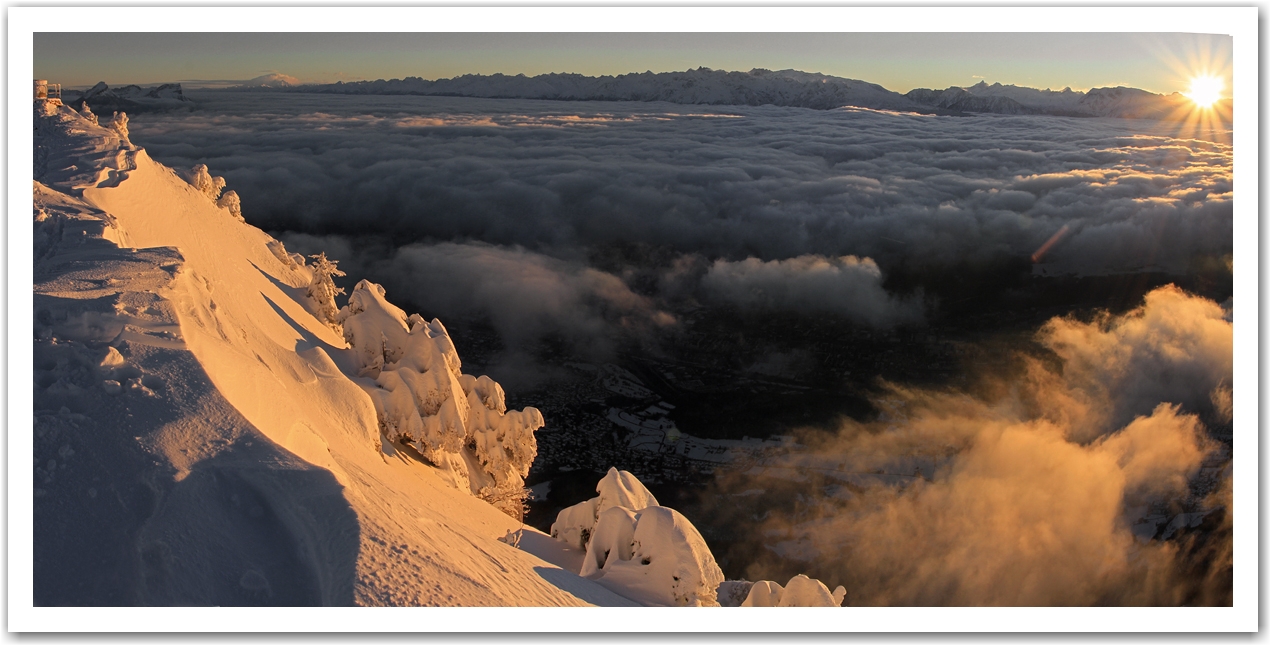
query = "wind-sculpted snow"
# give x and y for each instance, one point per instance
(456, 421)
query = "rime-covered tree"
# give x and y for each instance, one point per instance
(322, 288)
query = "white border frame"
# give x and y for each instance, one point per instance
(1239, 22)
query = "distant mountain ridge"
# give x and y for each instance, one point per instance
(785, 88)
(701, 86)
(1122, 102)
(130, 98)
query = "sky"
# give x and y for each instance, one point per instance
(1162, 63)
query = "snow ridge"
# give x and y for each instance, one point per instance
(202, 434)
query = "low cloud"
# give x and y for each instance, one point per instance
(1176, 348)
(527, 297)
(1024, 498)
(847, 286)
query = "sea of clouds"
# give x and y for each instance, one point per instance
(751, 206)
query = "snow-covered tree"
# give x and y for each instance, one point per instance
(119, 123)
(643, 551)
(620, 488)
(87, 113)
(458, 422)
(800, 591)
(229, 199)
(204, 182)
(322, 289)
(653, 554)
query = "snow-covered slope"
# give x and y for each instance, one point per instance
(201, 437)
(701, 86)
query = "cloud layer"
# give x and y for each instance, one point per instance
(773, 183)
(749, 206)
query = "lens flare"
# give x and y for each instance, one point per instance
(1205, 90)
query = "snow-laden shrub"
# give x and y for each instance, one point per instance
(613, 538)
(503, 441)
(637, 548)
(575, 524)
(118, 123)
(87, 113)
(204, 182)
(655, 556)
(229, 200)
(800, 591)
(292, 260)
(322, 289)
(458, 422)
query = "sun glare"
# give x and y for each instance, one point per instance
(1205, 90)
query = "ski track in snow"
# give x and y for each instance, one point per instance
(197, 440)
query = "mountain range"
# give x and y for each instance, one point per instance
(786, 88)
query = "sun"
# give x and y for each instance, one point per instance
(1205, 90)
